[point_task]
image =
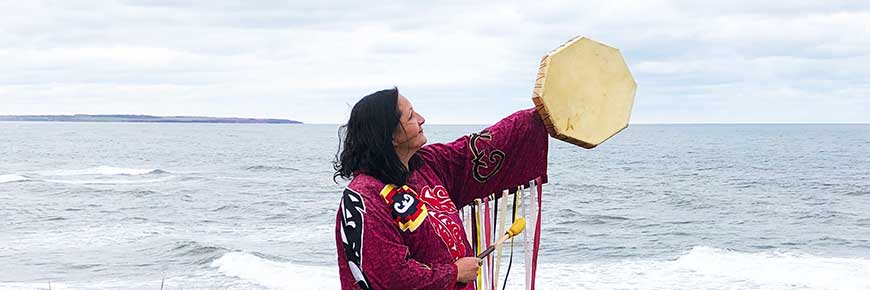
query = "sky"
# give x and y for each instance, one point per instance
(458, 62)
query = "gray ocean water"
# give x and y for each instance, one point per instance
(235, 206)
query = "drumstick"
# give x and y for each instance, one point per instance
(515, 229)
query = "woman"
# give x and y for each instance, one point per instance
(397, 226)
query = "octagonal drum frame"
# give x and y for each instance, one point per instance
(584, 92)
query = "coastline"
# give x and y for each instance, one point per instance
(141, 119)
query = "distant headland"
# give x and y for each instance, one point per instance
(141, 119)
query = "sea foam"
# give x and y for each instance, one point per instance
(711, 268)
(96, 181)
(699, 268)
(35, 286)
(276, 275)
(5, 178)
(103, 170)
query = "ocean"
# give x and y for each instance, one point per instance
(252, 206)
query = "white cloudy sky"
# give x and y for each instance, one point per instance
(694, 61)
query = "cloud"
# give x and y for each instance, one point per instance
(724, 61)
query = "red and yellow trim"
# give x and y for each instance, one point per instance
(408, 210)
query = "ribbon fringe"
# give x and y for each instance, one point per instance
(485, 221)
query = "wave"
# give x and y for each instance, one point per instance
(6, 178)
(270, 168)
(711, 268)
(226, 208)
(699, 268)
(203, 254)
(35, 286)
(104, 170)
(276, 275)
(99, 181)
(152, 283)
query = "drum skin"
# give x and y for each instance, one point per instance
(584, 92)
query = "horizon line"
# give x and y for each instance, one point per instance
(666, 123)
(438, 124)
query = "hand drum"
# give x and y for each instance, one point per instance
(584, 92)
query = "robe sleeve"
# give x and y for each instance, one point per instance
(508, 154)
(375, 255)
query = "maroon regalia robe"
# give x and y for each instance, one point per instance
(408, 237)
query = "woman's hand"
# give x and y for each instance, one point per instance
(466, 269)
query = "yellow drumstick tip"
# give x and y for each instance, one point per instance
(518, 226)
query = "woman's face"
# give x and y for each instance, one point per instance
(408, 136)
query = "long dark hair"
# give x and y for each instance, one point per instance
(367, 145)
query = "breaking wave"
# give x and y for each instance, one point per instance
(6, 178)
(276, 275)
(100, 181)
(104, 170)
(712, 268)
(270, 168)
(699, 268)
